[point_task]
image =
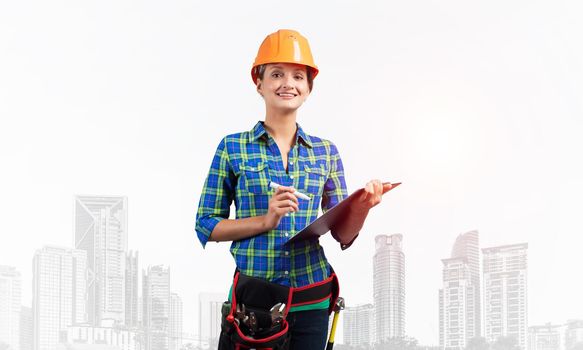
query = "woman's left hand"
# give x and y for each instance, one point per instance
(373, 194)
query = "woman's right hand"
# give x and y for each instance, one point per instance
(282, 202)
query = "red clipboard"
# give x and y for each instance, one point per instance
(332, 217)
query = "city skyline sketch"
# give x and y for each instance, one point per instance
(151, 317)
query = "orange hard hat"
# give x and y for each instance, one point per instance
(284, 46)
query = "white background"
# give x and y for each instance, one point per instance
(475, 106)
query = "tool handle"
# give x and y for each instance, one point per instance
(330, 344)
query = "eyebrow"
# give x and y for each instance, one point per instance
(281, 67)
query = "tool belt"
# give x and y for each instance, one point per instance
(256, 316)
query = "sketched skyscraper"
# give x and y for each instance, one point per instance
(101, 230)
(546, 337)
(573, 333)
(389, 287)
(459, 300)
(209, 316)
(26, 328)
(59, 291)
(175, 322)
(456, 305)
(131, 290)
(358, 325)
(505, 292)
(156, 315)
(467, 246)
(10, 298)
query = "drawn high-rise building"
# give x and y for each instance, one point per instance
(175, 322)
(59, 291)
(131, 290)
(26, 328)
(389, 287)
(101, 230)
(456, 304)
(209, 316)
(459, 299)
(546, 337)
(141, 310)
(467, 246)
(358, 325)
(505, 292)
(156, 315)
(573, 333)
(441, 323)
(10, 298)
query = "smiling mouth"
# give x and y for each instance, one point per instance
(286, 95)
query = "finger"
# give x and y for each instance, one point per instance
(378, 190)
(374, 186)
(291, 197)
(292, 205)
(287, 203)
(373, 193)
(386, 187)
(286, 189)
(368, 192)
(378, 187)
(287, 195)
(371, 186)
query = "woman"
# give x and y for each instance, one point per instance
(277, 150)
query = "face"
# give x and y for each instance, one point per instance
(284, 86)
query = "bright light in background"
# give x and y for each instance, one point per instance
(442, 136)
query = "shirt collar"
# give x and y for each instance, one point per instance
(303, 136)
(259, 131)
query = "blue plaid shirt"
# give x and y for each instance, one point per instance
(243, 166)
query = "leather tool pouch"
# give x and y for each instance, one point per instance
(259, 296)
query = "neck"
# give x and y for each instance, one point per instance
(281, 126)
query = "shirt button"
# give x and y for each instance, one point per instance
(286, 253)
(286, 234)
(291, 176)
(291, 163)
(286, 272)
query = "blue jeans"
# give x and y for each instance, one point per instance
(309, 329)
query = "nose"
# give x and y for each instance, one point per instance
(288, 82)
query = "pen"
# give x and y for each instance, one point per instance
(275, 186)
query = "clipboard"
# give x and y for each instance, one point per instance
(332, 217)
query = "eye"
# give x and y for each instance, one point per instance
(276, 75)
(299, 77)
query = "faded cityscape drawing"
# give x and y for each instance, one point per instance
(90, 297)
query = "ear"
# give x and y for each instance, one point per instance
(259, 87)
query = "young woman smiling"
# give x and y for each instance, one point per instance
(278, 150)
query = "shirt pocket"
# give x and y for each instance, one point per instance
(315, 178)
(255, 177)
